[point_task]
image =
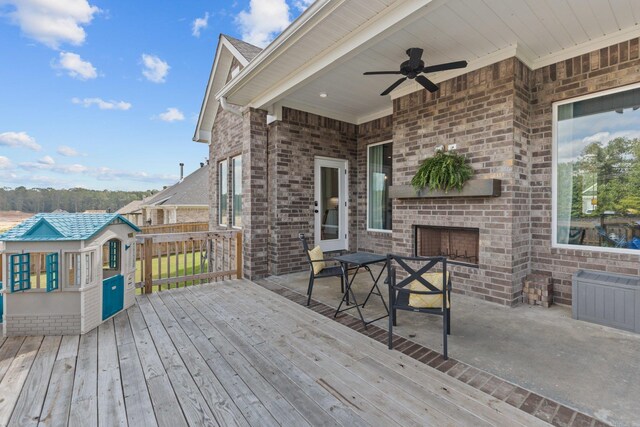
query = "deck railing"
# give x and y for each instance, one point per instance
(178, 259)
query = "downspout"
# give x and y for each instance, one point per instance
(228, 107)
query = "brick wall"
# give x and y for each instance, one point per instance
(294, 142)
(255, 219)
(194, 214)
(372, 132)
(607, 68)
(476, 112)
(55, 324)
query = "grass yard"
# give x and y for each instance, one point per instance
(194, 263)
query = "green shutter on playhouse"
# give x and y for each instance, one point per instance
(52, 271)
(20, 272)
(114, 254)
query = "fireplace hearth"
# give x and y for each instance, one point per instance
(459, 244)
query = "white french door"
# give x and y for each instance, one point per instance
(331, 203)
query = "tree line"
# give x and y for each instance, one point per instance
(34, 200)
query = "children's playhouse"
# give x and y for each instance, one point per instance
(66, 273)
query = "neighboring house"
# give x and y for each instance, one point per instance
(133, 211)
(302, 142)
(65, 273)
(185, 201)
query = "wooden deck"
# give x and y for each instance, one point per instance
(230, 353)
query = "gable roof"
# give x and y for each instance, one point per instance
(228, 49)
(62, 226)
(193, 190)
(247, 50)
(134, 206)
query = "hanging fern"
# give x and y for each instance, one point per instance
(443, 171)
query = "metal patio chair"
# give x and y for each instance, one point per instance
(329, 271)
(400, 292)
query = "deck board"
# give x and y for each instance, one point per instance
(230, 354)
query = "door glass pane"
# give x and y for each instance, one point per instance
(329, 203)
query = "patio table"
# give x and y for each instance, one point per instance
(360, 260)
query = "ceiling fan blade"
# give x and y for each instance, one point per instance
(373, 73)
(442, 67)
(415, 55)
(428, 84)
(393, 86)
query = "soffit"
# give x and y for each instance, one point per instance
(539, 32)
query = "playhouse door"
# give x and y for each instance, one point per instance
(112, 295)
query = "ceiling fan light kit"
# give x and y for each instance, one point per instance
(414, 68)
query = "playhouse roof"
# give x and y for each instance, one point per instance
(63, 226)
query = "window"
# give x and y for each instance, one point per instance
(20, 271)
(51, 262)
(596, 187)
(88, 260)
(237, 192)
(114, 254)
(223, 193)
(379, 178)
(72, 262)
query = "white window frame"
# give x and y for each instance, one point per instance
(376, 230)
(233, 182)
(218, 171)
(554, 173)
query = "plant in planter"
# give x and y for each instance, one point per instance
(444, 171)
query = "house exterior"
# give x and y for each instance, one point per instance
(65, 274)
(185, 201)
(302, 142)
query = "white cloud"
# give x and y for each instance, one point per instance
(75, 66)
(171, 115)
(102, 104)
(47, 160)
(19, 139)
(53, 22)
(63, 169)
(108, 174)
(301, 5)
(155, 69)
(199, 24)
(5, 163)
(67, 151)
(264, 20)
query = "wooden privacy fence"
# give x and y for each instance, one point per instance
(186, 227)
(172, 259)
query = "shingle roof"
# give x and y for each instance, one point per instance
(247, 50)
(132, 207)
(62, 226)
(192, 190)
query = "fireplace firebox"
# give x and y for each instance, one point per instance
(459, 244)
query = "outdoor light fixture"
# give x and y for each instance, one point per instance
(323, 94)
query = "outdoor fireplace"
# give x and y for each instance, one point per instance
(456, 243)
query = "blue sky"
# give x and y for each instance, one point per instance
(105, 95)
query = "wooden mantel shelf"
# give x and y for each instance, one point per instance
(472, 188)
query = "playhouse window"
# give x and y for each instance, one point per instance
(88, 259)
(20, 272)
(73, 269)
(51, 262)
(114, 254)
(596, 171)
(132, 256)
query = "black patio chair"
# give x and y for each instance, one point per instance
(400, 292)
(329, 271)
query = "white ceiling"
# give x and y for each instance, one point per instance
(539, 32)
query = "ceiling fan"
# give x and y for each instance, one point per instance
(413, 69)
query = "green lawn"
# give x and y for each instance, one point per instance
(193, 263)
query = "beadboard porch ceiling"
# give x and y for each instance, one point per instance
(329, 47)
